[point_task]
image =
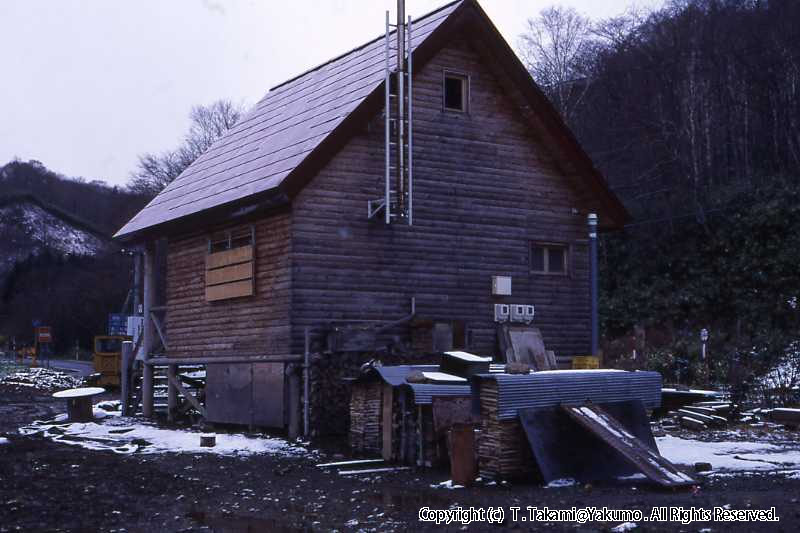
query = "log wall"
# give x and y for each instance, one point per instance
(484, 189)
(257, 324)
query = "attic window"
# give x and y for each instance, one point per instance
(456, 92)
(549, 258)
(230, 265)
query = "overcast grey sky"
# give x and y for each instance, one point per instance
(86, 85)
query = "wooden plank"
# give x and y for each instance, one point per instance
(610, 431)
(237, 289)
(186, 394)
(350, 463)
(229, 274)
(229, 257)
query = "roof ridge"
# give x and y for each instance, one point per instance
(359, 47)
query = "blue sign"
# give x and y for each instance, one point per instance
(117, 324)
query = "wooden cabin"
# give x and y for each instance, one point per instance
(278, 243)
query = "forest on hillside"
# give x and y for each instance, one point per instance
(692, 112)
(71, 292)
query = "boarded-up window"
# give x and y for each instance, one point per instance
(230, 265)
(549, 258)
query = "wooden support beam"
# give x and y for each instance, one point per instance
(186, 394)
(294, 403)
(148, 332)
(157, 324)
(172, 392)
(125, 385)
(222, 360)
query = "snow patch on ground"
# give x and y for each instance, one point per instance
(625, 526)
(560, 483)
(41, 379)
(3, 440)
(446, 485)
(112, 432)
(729, 456)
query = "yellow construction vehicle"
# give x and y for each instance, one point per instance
(108, 358)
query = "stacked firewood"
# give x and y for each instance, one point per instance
(365, 417)
(503, 449)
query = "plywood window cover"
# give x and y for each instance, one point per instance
(546, 247)
(230, 272)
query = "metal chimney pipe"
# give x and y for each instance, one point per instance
(593, 292)
(401, 67)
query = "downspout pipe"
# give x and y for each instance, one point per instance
(593, 289)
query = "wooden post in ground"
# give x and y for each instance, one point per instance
(125, 385)
(148, 330)
(172, 392)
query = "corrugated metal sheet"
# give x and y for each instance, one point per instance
(550, 389)
(396, 375)
(287, 125)
(422, 392)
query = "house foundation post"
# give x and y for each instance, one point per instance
(148, 329)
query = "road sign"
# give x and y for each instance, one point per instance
(44, 335)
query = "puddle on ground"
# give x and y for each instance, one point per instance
(243, 524)
(403, 498)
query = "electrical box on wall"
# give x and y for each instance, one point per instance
(529, 313)
(502, 313)
(517, 313)
(501, 285)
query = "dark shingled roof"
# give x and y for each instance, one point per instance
(266, 158)
(287, 124)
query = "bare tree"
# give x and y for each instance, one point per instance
(555, 48)
(208, 123)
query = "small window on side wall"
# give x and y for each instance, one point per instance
(456, 92)
(549, 258)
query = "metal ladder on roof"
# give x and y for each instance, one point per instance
(397, 201)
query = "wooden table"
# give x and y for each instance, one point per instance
(79, 402)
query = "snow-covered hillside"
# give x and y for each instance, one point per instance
(28, 229)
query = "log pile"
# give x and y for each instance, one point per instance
(365, 417)
(503, 449)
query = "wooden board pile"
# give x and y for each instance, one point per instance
(700, 416)
(365, 417)
(503, 449)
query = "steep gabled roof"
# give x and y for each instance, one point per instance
(276, 148)
(289, 123)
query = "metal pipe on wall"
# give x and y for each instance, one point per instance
(401, 61)
(306, 388)
(387, 209)
(410, 130)
(593, 290)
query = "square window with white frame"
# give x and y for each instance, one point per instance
(456, 92)
(549, 258)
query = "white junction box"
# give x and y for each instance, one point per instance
(529, 313)
(502, 313)
(501, 285)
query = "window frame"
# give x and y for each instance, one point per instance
(465, 91)
(547, 246)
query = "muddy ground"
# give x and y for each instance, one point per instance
(46, 486)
